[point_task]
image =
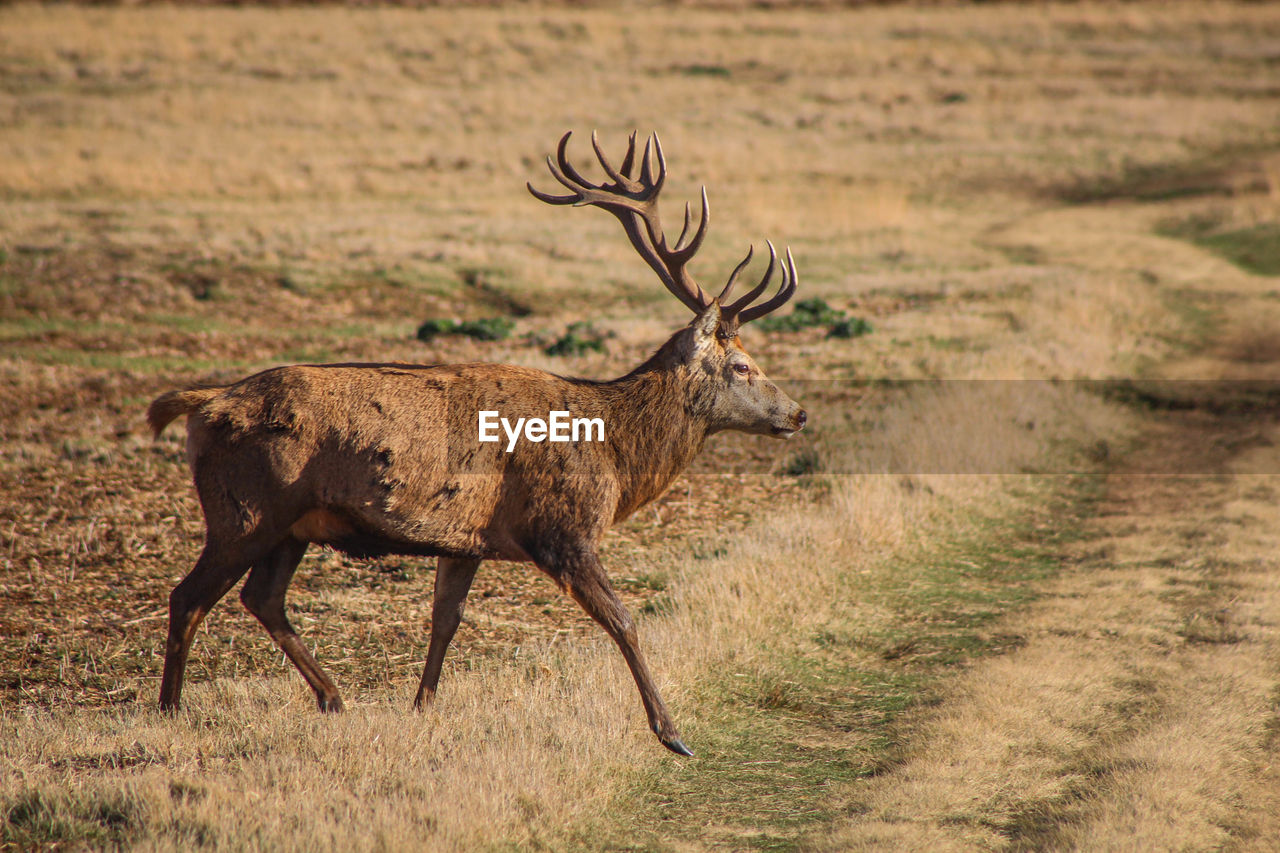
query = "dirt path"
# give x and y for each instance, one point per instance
(1141, 713)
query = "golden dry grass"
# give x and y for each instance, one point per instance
(1139, 712)
(190, 194)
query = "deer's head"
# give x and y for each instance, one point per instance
(730, 390)
(727, 384)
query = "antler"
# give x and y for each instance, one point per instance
(734, 315)
(634, 201)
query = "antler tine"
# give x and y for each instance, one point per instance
(562, 158)
(630, 159)
(580, 189)
(695, 242)
(548, 197)
(733, 276)
(662, 163)
(790, 280)
(621, 178)
(576, 197)
(737, 309)
(688, 220)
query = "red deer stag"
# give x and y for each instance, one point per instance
(380, 459)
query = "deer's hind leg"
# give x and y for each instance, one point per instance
(215, 572)
(453, 582)
(263, 596)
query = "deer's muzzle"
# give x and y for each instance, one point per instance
(795, 422)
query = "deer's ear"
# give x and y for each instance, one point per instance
(706, 323)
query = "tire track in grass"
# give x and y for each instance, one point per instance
(1140, 713)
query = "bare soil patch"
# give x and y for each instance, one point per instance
(98, 520)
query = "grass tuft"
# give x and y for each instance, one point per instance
(802, 463)
(815, 312)
(578, 339)
(43, 818)
(487, 329)
(1255, 249)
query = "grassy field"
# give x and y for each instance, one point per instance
(1050, 193)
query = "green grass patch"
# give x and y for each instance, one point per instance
(782, 741)
(697, 70)
(578, 339)
(121, 361)
(486, 329)
(954, 344)
(195, 324)
(1255, 249)
(810, 313)
(28, 327)
(1199, 315)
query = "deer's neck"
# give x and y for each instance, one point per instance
(658, 432)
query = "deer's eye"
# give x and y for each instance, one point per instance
(741, 368)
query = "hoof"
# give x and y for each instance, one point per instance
(677, 746)
(330, 705)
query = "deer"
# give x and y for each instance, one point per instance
(380, 459)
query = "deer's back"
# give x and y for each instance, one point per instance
(386, 458)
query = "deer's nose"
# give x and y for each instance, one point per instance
(802, 417)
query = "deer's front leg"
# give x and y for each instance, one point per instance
(585, 579)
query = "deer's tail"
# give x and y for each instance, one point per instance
(166, 407)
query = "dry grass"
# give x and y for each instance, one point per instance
(1139, 711)
(191, 194)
